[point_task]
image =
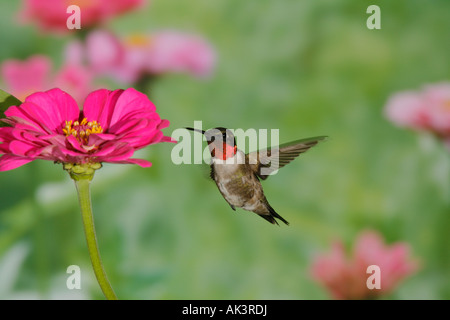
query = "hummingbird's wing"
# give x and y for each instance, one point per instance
(265, 162)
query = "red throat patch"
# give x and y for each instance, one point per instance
(225, 152)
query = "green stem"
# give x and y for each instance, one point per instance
(84, 198)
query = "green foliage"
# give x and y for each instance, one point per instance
(6, 100)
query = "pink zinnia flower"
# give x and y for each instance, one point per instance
(346, 277)
(50, 126)
(426, 110)
(51, 15)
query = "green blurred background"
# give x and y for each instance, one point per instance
(305, 67)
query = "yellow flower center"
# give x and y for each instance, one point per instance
(446, 105)
(138, 40)
(82, 130)
(83, 4)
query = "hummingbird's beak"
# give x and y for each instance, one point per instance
(196, 130)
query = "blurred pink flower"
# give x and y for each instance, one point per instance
(428, 109)
(171, 51)
(108, 56)
(129, 59)
(50, 126)
(345, 277)
(75, 80)
(51, 15)
(22, 78)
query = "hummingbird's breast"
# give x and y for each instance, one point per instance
(236, 181)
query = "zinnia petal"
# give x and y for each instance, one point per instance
(129, 102)
(99, 106)
(49, 109)
(10, 161)
(140, 162)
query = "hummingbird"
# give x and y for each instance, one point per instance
(237, 175)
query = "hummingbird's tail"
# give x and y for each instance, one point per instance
(272, 215)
